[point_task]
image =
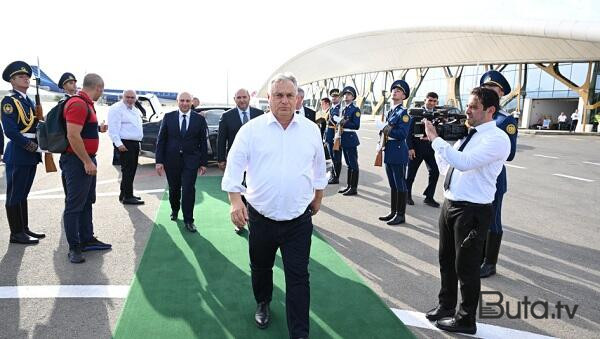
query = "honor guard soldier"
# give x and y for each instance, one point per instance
(350, 123)
(21, 158)
(396, 152)
(68, 83)
(495, 80)
(336, 156)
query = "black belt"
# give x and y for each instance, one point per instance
(123, 140)
(253, 210)
(467, 204)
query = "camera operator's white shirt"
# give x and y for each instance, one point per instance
(477, 167)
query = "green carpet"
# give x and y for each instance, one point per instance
(198, 285)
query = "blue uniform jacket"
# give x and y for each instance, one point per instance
(14, 124)
(508, 124)
(192, 147)
(330, 132)
(396, 151)
(352, 115)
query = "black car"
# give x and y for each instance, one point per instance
(212, 116)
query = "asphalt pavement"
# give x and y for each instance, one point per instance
(549, 251)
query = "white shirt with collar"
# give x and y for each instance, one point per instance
(187, 118)
(241, 113)
(477, 167)
(284, 166)
(124, 123)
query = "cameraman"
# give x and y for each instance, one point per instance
(471, 168)
(419, 149)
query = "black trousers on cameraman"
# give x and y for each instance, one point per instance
(129, 163)
(460, 259)
(423, 152)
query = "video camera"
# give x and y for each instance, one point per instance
(449, 122)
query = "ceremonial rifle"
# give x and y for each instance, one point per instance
(39, 114)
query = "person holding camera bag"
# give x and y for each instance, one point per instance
(471, 167)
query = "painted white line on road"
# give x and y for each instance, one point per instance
(60, 189)
(515, 166)
(572, 177)
(417, 319)
(64, 291)
(104, 194)
(591, 163)
(545, 156)
(366, 138)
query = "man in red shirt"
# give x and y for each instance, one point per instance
(78, 164)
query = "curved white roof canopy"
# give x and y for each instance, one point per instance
(447, 45)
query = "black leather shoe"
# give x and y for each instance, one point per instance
(431, 202)
(22, 238)
(75, 256)
(134, 197)
(190, 227)
(487, 270)
(132, 201)
(35, 235)
(409, 201)
(457, 325)
(239, 231)
(439, 312)
(398, 219)
(351, 191)
(174, 216)
(262, 317)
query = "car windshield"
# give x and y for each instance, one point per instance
(213, 116)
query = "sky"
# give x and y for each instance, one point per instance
(213, 48)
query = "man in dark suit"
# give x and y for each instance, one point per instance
(231, 122)
(303, 110)
(181, 153)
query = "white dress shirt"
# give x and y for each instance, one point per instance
(187, 119)
(241, 113)
(575, 116)
(477, 167)
(284, 166)
(124, 123)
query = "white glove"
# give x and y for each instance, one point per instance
(337, 118)
(380, 124)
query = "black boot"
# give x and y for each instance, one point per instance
(17, 234)
(25, 222)
(492, 248)
(335, 174)
(409, 200)
(353, 184)
(349, 180)
(393, 206)
(401, 208)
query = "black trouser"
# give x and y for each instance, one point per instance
(293, 238)
(423, 152)
(182, 188)
(458, 263)
(129, 163)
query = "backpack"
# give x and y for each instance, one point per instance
(52, 133)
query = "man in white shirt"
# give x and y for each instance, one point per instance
(303, 110)
(562, 121)
(574, 120)
(282, 154)
(471, 168)
(126, 132)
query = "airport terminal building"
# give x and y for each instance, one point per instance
(552, 67)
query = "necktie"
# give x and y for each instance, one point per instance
(460, 149)
(183, 125)
(244, 117)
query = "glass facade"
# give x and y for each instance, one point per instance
(537, 84)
